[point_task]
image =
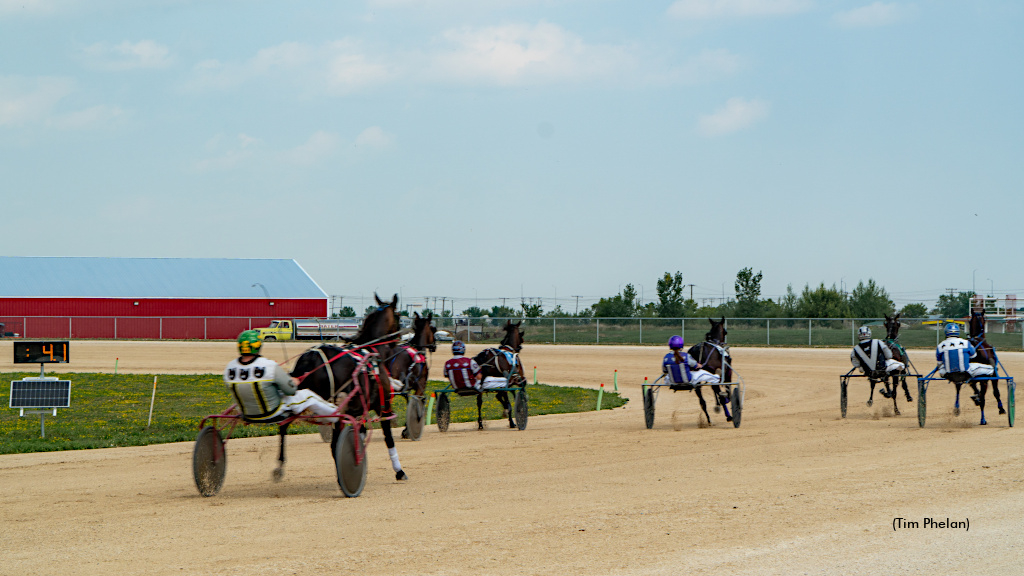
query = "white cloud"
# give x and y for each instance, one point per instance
(320, 145)
(373, 137)
(711, 9)
(227, 155)
(736, 115)
(872, 15)
(127, 55)
(517, 53)
(24, 100)
(95, 117)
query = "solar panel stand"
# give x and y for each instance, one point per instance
(42, 411)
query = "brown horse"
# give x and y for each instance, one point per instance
(502, 362)
(986, 355)
(713, 355)
(407, 362)
(335, 373)
(899, 354)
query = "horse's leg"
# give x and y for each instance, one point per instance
(507, 405)
(871, 398)
(278, 472)
(389, 441)
(480, 411)
(723, 401)
(984, 390)
(906, 391)
(999, 400)
(956, 405)
(977, 394)
(895, 389)
(703, 404)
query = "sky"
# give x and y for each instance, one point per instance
(489, 149)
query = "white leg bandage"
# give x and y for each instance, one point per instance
(395, 464)
(304, 400)
(894, 366)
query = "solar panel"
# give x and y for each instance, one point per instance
(40, 393)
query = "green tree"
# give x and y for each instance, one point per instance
(748, 293)
(474, 312)
(916, 310)
(954, 306)
(870, 301)
(623, 305)
(557, 312)
(345, 312)
(503, 312)
(823, 302)
(532, 310)
(789, 303)
(670, 296)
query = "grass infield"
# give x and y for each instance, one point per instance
(109, 411)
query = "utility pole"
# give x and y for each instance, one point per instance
(443, 298)
(951, 291)
(691, 289)
(577, 305)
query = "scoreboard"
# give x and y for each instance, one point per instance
(47, 352)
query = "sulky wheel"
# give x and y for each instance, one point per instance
(843, 392)
(1011, 408)
(649, 408)
(209, 461)
(922, 402)
(444, 413)
(414, 414)
(522, 408)
(350, 460)
(326, 431)
(736, 403)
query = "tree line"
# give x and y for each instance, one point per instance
(866, 300)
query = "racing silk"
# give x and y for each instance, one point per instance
(678, 373)
(461, 372)
(955, 354)
(870, 355)
(259, 387)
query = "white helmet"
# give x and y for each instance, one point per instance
(864, 333)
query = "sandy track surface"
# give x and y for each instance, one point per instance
(795, 490)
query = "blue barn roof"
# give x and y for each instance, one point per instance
(50, 277)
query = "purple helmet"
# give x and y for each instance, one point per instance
(676, 342)
(458, 347)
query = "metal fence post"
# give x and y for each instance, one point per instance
(768, 326)
(641, 330)
(115, 327)
(554, 331)
(69, 326)
(808, 331)
(598, 330)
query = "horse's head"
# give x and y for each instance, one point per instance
(717, 332)
(892, 326)
(423, 334)
(380, 322)
(513, 336)
(977, 324)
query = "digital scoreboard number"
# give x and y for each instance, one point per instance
(50, 352)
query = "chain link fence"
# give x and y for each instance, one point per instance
(792, 332)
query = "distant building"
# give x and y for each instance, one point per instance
(152, 298)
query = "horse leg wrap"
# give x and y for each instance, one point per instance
(395, 465)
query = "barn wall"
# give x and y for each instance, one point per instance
(162, 307)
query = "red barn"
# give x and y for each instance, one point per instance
(153, 298)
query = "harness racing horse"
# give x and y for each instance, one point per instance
(986, 355)
(407, 363)
(502, 362)
(711, 353)
(355, 374)
(899, 354)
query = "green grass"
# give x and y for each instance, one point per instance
(108, 411)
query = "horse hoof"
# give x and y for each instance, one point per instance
(956, 411)
(278, 474)
(984, 423)
(512, 425)
(910, 398)
(718, 409)
(896, 411)
(1002, 411)
(479, 425)
(977, 400)
(401, 475)
(870, 402)
(405, 433)
(728, 418)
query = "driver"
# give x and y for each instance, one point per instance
(873, 355)
(263, 389)
(954, 355)
(681, 368)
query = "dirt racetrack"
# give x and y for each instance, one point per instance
(795, 490)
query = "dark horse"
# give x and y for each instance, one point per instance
(407, 363)
(349, 372)
(502, 362)
(986, 355)
(710, 353)
(899, 354)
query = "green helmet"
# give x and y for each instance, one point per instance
(249, 342)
